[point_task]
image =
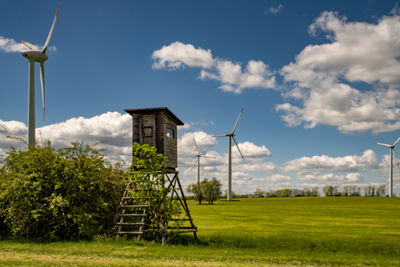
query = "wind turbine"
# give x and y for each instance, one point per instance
(36, 55)
(231, 136)
(199, 155)
(391, 147)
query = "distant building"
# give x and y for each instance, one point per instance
(157, 127)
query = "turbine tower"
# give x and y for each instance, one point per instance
(391, 147)
(199, 155)
(231, 136)
(36, 55)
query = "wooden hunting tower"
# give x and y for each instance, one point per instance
(157, 127)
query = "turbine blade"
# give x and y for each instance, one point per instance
(209, 157)
(51, 31)
(234, 140)
(29, 45)
(194, 140)
(237, 121)
(194, 164)
(397, 158)
(42, 83)
(382, 144)
(221, 135)
(395, 143)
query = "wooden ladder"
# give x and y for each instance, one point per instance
(131, 217)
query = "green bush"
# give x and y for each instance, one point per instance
(49, 194)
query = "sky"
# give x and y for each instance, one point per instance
(318, 80)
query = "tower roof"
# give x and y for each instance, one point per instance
(153, 110)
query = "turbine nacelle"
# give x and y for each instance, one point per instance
(35, 55)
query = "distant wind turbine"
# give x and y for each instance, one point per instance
(391, 147)
(231, 136)
(35, 55)
(199, 155)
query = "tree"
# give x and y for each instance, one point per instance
(258, 193)
(195, 189)
(210, 190)
(331, 191)
(49, 194)
(381, 190)
(369, 191)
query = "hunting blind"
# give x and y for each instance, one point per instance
(156, 127)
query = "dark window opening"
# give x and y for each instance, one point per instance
(170, 133)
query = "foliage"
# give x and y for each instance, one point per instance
(148, 175)
(210, 190)
(351, 190)
(372, 191)
(195, 189)
(69, 193)
(306, 192)
(331, 191)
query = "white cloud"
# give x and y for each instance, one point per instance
(275, 9)
(111, 130)
(12, 129)
(186, 146)
(274, 178)
(10, 45)
(351, 177)
(250, 150)
(351, 81)
(326, 163)
(233, 79)
(178, 54)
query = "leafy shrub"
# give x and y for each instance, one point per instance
(49, 194)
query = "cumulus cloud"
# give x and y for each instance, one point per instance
(275, 178)
(111, 130)
(178, 54)
(351, 81)
(9, 45)
(231, 75)
(351, 177)
(327, 163)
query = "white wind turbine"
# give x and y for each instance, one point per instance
(231, 136)
(199, 155)
(391, 147)
(36, 55)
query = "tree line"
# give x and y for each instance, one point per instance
(328, 190)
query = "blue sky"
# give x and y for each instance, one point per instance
(317, 80)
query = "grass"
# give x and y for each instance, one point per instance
(357, 231)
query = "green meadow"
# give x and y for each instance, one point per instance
(310, 231)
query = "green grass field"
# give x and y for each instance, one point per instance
(355, 231)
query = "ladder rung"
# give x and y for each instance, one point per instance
(134, 206)
(137, 190)
(130, 232)
(132, 214)
(129, 223)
